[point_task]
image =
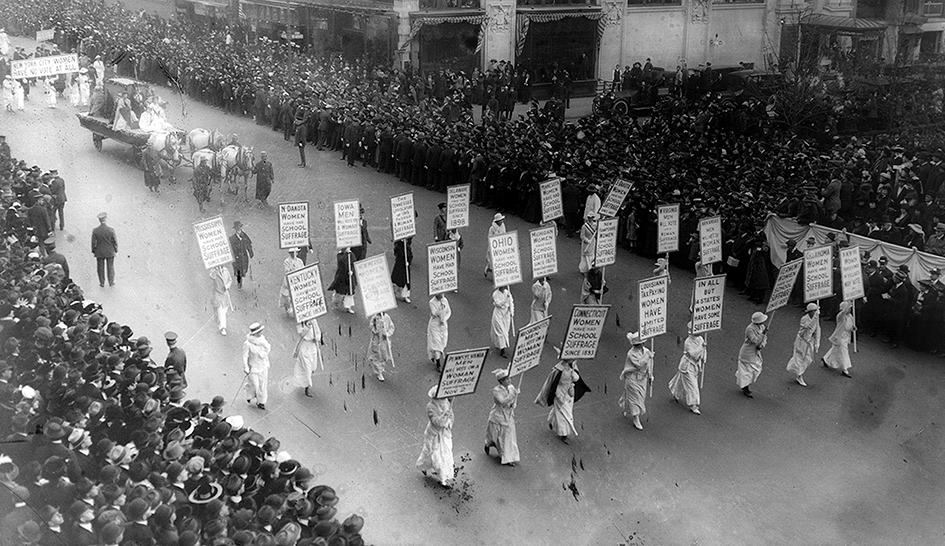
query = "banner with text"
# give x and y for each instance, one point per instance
(45, 35)
(784, 285)
(652, 294)
(583, 334)
(305, 289)
(461, 372)
(213, 242)
(457, 206)
(293, 225)
(544, 251)
(851, 273)
(818, 273)
(528, 346)
(403, 222)
(605, 251)
(41, 67)
(377, 292)
(442, 268)
(667, 224)
(708, 294)
(710, 240)
(551, 204)
(347, 224)
(618, 192)
(506, 265)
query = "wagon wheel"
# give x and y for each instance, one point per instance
(97, 141)
(621, 107)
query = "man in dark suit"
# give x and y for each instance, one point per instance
(431, 171)
(104, 248)
(404, 153)
(899, 300)
(418, 162)
(176, 358)
(301, 131)
(38, 216)
(53, 257)
(242, 247)
(57, 188)
(324, 123)
(385, 149)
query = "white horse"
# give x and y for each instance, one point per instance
(166, 147)
(199, 139)
(236, 161)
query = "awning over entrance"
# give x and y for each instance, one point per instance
(843, 24)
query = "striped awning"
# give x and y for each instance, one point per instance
(846, 24)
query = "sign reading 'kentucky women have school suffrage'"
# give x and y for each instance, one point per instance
(293, 225)
(347, 224)
(708, 294)
(305, 289)
(784, 285)
(213, 242)
(442, 268)
(544, 251)
(818, 273)
(583, 334)
(461, 372)
(652, 295)
(552, 206)
(457, 206)
(403, 222)
(506, 265)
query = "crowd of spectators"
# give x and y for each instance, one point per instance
(101, 445)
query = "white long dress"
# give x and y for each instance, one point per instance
(749, 356)
(685, 384)
(561, 416)
(541, 300)
(436, 455)
(588, 247)
(382, 328)
(438, 327)
(502, 312)
(500, 432)
(19, 95)
(84, 91)
(636, 374)
(806, 344)
(309, 355)
(290, 264)
(49, 86)
(838, 357)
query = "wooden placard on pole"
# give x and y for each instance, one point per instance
(403, 221)
(552, 206)
(347, 224)
(506, 262)
(377, 292)
(667, 228)
(710, 240)
(544, 251)
(213, 242)
(784, 285)
(293, 225)
(461, 372)
(605, 249)
(306, 293)
(818, 273)
(584, 329)
(442, 267)
(528, 345)
(652, 295)
(851, 274)
(707, 299)
(618, 192)
(457, 206)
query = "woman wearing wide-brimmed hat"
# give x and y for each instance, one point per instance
(636, 376)
(749, 356)
(806, 344)
(500, 432)
(838, 357)
(496, 228)
(436, 455)
(685, 384)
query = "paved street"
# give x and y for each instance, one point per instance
(842, 462)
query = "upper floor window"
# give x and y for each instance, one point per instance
(932, 8)
(557, 2)
(654, 2)
(450, 4)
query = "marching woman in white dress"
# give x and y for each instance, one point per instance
(379, 350)
(500, 432)
(438, 329)
(838, 357)
(49, 89)
(503, 311)
(685, 384)
(19, 95)
(806, 344)
(558, 392)
(496, 228)
(636, 376)
(73, 91)
(84, 91)
(290, 264)
(749, 356)
(436, 455)
(308, 354)
(541, 299)
(588, 242)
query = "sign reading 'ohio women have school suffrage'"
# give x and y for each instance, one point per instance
(377, 293)
(531, 339)
(605, 250)
(442, 268)
(293, 225)
(710, 240)
(784, 285)
(851, 273)
(552, 206)
(305, 289)
(506, 265)
(213, 242)
(667, 224)
(652, 295)
(818, 273)
(457, 206)
(615, 197)
(544, 251)
(40, 67)
(402, 218)
(461, 372)
(347, 224)
(583, 334)
(707, 300)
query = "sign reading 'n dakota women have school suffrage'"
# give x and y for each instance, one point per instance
(461, 372)
(506, 265)
(293, 225)
(583, 334)
(457, 206)
(818, 273)
(544, 251)
(347, 224)
(442, 267)
(552, 206)
(708, 294)
(213, 242)
(305, 289)
(653, 294)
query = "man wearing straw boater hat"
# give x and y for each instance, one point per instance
(256, 349)
(749, 356)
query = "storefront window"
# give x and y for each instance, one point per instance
(567, 44)
(449, 4)
(654, 2)
(932, 7)
(557, 2)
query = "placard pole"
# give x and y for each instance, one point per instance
(391, 353)
(350, 284)
(406, 263)
(603, 283)
(651, 367)
(855, 350)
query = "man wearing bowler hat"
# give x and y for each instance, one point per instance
(104, 248)
(242, 247)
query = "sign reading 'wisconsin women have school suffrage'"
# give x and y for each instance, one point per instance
(442, 268)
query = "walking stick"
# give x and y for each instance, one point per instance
(651, 370)
(238, 389)
(350, 284)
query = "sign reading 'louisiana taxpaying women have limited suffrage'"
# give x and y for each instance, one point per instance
(457, 206)
(461, 372)
(293, 225)
(784, 285)
(551, 204)
(710, 240)
(544, 251)
(708, 293)
(213, 242)
(531, 339)
(442, 267)
(377, 292)
(818, 273)
(605, 249)
(402, 218)
(305, 289)
(506, 265)
(347, 224)
(851, 273)
(614, 199)
(583, 334)
(652, 296)
(667, 232)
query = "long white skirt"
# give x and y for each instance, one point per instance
(838, 357)
(561, 417)
(633, 399)
(504, 438)
(748, 371)
(436, 455)
(306, 363)
(802, 357)
(685, 387)
(437, 338)
(501, 324)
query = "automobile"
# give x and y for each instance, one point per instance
(639, 101)
(753, 83)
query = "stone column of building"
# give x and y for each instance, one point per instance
(411, 53)
(612, 41)
(500, 32)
